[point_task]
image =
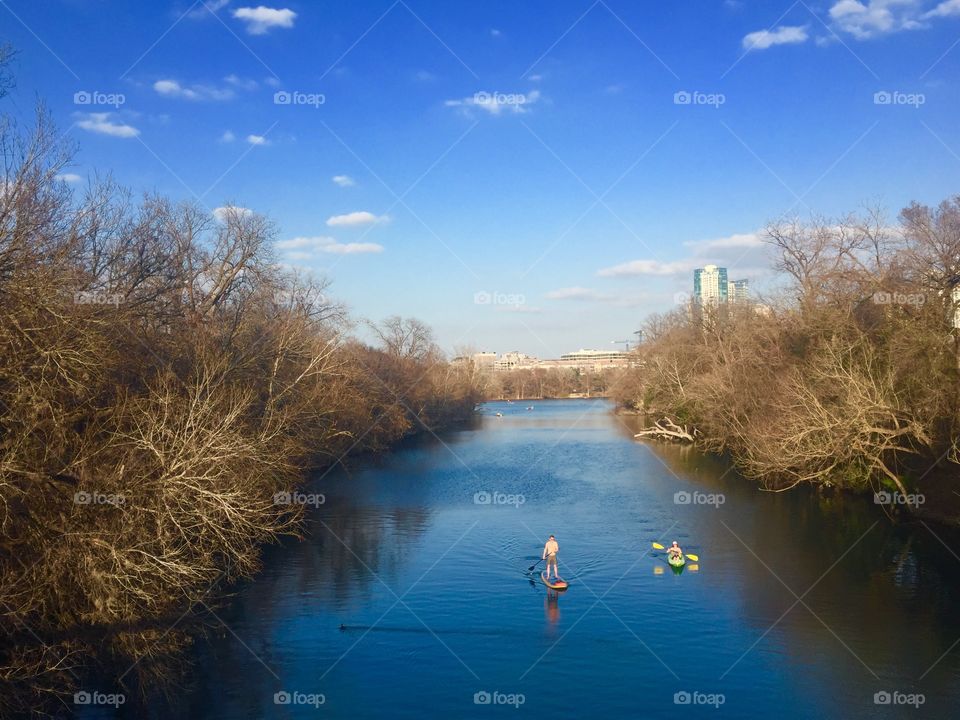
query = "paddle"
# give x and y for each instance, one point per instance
(530, 569)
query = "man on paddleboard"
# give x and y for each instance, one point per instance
(550, 551)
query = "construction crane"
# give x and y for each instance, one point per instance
(626, 343)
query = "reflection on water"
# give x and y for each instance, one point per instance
(551, 604)
(410, 594)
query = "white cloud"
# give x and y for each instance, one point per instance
(743, 254)
(242, 83)
(172, 88)
(361, 217)
(69, 177)
(783, 35)
(228, 136)
(865, 19)
(257, 140)
(737, 240)
(221, 213)
(344, 180)
(304, 248)
(102, 124)
(261, 19)
(495, 33)
(497, 102)
(167, 87)
(647, 267)
(948, 8)
(862, 21)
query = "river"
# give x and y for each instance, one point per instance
(409, 595)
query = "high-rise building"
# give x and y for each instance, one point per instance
(738, 291)
(710, 285)
(955, 296)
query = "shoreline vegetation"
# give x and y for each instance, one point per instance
(165, 386)
(846, 377)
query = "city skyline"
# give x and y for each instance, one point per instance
(560, 170)
(584, 360)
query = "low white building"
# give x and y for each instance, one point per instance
(485, 360)
(592, 360)
(514, 360)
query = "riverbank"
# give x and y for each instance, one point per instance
(570, 396)
(934, 496)
(827, 382)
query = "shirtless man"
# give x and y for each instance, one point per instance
(550, 551)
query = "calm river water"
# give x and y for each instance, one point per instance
(799, 607)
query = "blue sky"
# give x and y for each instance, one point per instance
(536, 176)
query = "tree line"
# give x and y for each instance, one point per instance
(539, 383)
(846, 375)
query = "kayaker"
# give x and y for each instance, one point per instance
(674, 552)
(550, 550)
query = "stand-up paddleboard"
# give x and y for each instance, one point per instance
(555, 584)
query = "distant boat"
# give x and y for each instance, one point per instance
(499, 414)
(530, 407)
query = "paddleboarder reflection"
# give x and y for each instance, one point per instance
(552, 606)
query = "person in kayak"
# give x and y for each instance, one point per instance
(674, 552)
(550, 551)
